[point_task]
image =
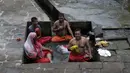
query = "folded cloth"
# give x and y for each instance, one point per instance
(74, 48)
(104, 52)
(102, 43)
(62, 49)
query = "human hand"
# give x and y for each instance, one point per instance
(86, 56)
(60, 27)
(90, 56)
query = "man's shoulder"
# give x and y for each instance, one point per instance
(73, 39)
(57, 21)
(84, 38)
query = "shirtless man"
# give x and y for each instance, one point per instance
(60, 28)
(84, 48)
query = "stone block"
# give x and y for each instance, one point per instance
(51, 71)
(123, 52)
(90, 71)
(127, 65)
(29, 66)
(111, 70)
(112, 46)
(61, 65)
(12, 64)
(113, 53)
(115, 58)
(86, 65)
(2, 55)
(30, 71)
(121, 45)
(125, 58)
(113, 65)
(72, 71)
(127, 70)
(11, 70)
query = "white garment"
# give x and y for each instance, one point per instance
(28, 45)
(62, 49)
(104, 52)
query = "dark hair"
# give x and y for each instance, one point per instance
(61, 15)
(33, 19)
(77, 30)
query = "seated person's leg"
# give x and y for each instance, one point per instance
(57, 39)
(47, 57)
(68, 37)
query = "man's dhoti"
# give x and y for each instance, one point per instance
(77, 57)
(60, 39)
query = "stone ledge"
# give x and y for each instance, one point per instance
(115, 58)
(112, 65)
(61, 65)
(125, 58)
(90, 71)
(95, 65)
(127, 70)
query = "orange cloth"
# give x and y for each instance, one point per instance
(60, 39)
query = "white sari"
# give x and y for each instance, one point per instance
(28, 46)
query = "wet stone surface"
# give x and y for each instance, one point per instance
(15, 13)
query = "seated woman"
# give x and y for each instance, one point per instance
(40, 39)
(80, 48)
(35, 51)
